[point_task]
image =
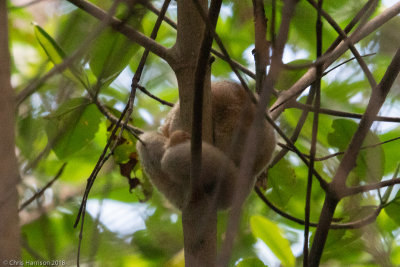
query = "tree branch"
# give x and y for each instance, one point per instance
(344, 37)
(41, 191)
(334, 226)
(247, 162)
(129, 32)
(339, 113)
(261, 53)
(365, 188)
(341, 152)
(338, 185)
(169, 21)
(199, 215)
(314, 135)
(310, 75)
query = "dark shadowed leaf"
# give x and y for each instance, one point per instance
(370, 161)
(72, 126)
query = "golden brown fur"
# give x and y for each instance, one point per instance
(166, 156)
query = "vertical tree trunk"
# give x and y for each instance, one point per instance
(9, 227)
(198, 221)
(187, 47)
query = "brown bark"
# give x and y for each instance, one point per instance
(198, 221)
(9, 177)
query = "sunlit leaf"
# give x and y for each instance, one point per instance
(49, 45)
(56, 54)
(177, 261)
(251, 262)
(273, 237)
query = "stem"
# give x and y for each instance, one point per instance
(314, 138)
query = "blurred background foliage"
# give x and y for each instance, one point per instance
(57, 124)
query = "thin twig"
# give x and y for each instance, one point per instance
(314, 137)
(341, 152)
(145, 91)
(103, 157)
(349, 225)
(296, 132)
(322, 182)
(344, 62)
(344, 37)
(339, 113)
(248, 159)
(365, 188)
(41, 191)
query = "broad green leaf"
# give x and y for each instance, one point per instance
(288, 77)
(29, 135)
(72, 126)
(122, 152)
(71, 105)
(345, 245)
(370, 161)
(390, 149)
(273, 237)
(56, 54)
(161, 239)
(282, 179)
(110, 54)
(251, 262)
(137, 261)
(49, 45)
(392, 210)
(178, 260)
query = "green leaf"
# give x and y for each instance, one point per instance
(49, 45)
(370, 161)
(282, 179)
(56, 54)
(392, 210)
(273, 237)
(71, 105)
(122, 152)
(72, 126)
(389, 189)
(251, 262)
(288, 77)
(110, 54)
